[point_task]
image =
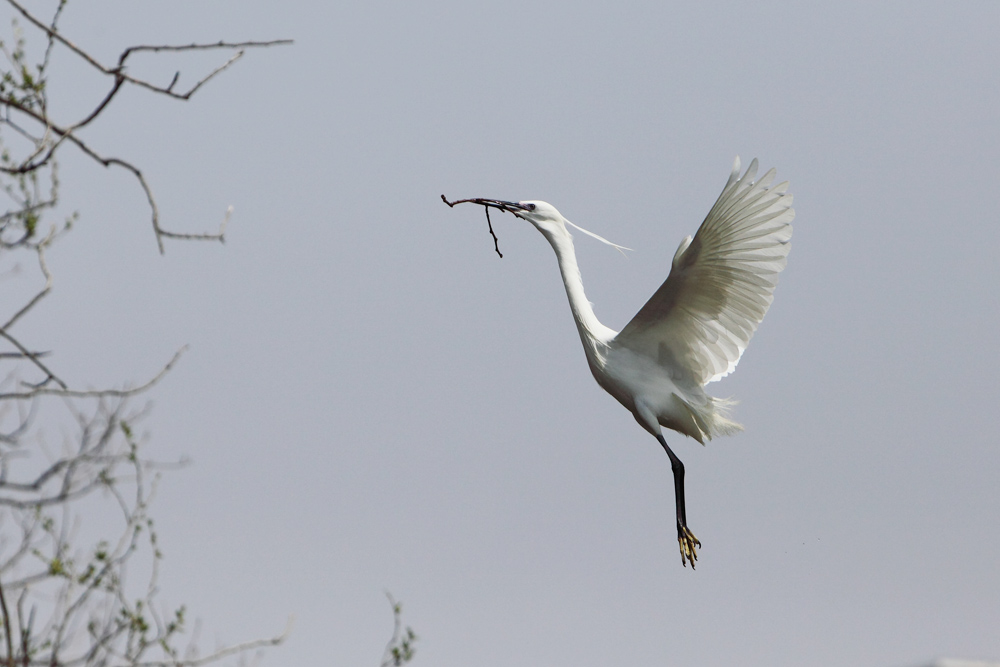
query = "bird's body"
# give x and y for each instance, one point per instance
(695, 327)
(657, 394)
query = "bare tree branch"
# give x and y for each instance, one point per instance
(74, 606)
(228, 651)
(94, 393)
(34, 106)
(6, 626)
(49, 375)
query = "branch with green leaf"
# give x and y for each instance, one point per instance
(75, 513)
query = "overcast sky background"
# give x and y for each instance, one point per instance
(374, 400)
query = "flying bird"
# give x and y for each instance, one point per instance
(695, 327)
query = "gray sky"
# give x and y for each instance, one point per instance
(373, 400)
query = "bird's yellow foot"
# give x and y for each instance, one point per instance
(688, 544)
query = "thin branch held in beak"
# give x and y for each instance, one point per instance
(496, 244)
(505, 206)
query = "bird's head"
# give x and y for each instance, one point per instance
(542, 215)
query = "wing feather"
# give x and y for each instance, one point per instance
(721, 282)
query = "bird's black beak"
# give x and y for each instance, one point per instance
(506, 206)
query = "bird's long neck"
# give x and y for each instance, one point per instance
(593, 334)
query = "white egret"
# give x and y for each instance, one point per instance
(695, 327)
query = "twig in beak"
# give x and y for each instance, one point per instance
(496, 243)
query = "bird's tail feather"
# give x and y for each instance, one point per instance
(713, 417)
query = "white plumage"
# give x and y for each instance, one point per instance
(721, 283)
(695, 327)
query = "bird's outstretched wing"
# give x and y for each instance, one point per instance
(721, 283)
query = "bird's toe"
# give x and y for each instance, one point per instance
(689, 544)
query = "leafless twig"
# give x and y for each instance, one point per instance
(90, 615)
(127, 392)
(496, 244)
(33, 105)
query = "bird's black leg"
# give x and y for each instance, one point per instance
(688, 542)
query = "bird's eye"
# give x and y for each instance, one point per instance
(529, 207)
